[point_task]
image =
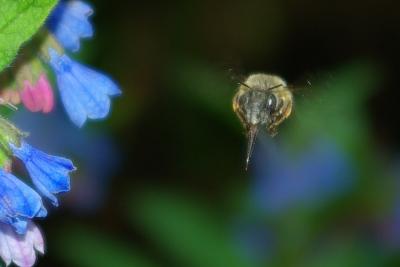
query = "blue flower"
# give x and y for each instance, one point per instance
(49, 174)
(69, 22)
(93, 149)
(18, 202)
(85, 93)
(312, 177)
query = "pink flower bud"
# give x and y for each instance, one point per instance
(39, 97)
(31, 97)
(44, 87)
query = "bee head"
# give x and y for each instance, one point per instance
(257, 106)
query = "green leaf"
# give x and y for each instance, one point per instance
(19, 21)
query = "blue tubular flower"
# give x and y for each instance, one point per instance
(85, 93)
(69, 22)
(50, 174)
(96, 151)
(18, 202)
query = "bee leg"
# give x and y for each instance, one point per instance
(272, 130)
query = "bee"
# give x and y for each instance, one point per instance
(262, 101)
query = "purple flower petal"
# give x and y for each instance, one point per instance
(20, 249)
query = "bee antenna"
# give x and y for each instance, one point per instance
(245, 85)
(275, 86)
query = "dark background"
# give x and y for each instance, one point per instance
(178, 149)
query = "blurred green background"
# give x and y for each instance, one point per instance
(162, 181)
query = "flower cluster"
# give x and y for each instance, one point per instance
(21, 203)
(85, 94)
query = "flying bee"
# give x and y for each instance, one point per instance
(262, 100)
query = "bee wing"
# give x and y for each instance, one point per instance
(302, 88)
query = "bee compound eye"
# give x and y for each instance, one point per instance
(271, 102)
(243, 100)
